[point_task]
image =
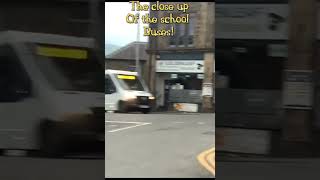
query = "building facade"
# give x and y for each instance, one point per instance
(267, 76)
(177, 63)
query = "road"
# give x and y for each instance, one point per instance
(281, 169)
(157, 145)
(36, 168)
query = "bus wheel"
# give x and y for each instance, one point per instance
(52, 144)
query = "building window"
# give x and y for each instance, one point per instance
(172, 39)
(191, 30)
(172, 42)
(184, 34)
(190, 40)
(181, 32)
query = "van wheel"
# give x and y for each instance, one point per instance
(122, 107)
(53, 141)
(146, 111)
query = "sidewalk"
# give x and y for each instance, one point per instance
(164, 112)
(233, 157)
(177, 112)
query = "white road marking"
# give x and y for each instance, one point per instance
(201, 123)
(112, 125)
(129, 127)
(125, 122)
(178, 122)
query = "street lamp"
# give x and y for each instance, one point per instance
(137, 49)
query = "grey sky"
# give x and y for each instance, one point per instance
(117, 30)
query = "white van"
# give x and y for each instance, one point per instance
(126, 91)
(52, 92)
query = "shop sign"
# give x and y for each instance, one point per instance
(180, 66)
(298, 89)
(254, 21)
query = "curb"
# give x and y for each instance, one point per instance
(206, 159)
(179, 113)
(176, 113)
(264, 160)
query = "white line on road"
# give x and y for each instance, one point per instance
(125, 122)
(129, 127)
(178, 122)
(112, 125)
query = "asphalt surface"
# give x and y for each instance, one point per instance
(273, 169)
(157, 145)
(37, 168)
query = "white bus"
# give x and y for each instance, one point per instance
(52, 92)
(126, 91)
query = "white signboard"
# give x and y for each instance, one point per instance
(200, 76)
(174, 76)
(186, 107)
(182, 66)
(298, 89)
(207, 89)
(251, 21)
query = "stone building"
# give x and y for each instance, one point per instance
(176, 65)
(267, 55)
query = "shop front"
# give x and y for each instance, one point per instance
(251, 55)
(179, 81)
(249, 83)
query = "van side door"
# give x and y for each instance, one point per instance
(17, 102)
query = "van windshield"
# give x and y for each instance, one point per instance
(130, 82)
(70, 68)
